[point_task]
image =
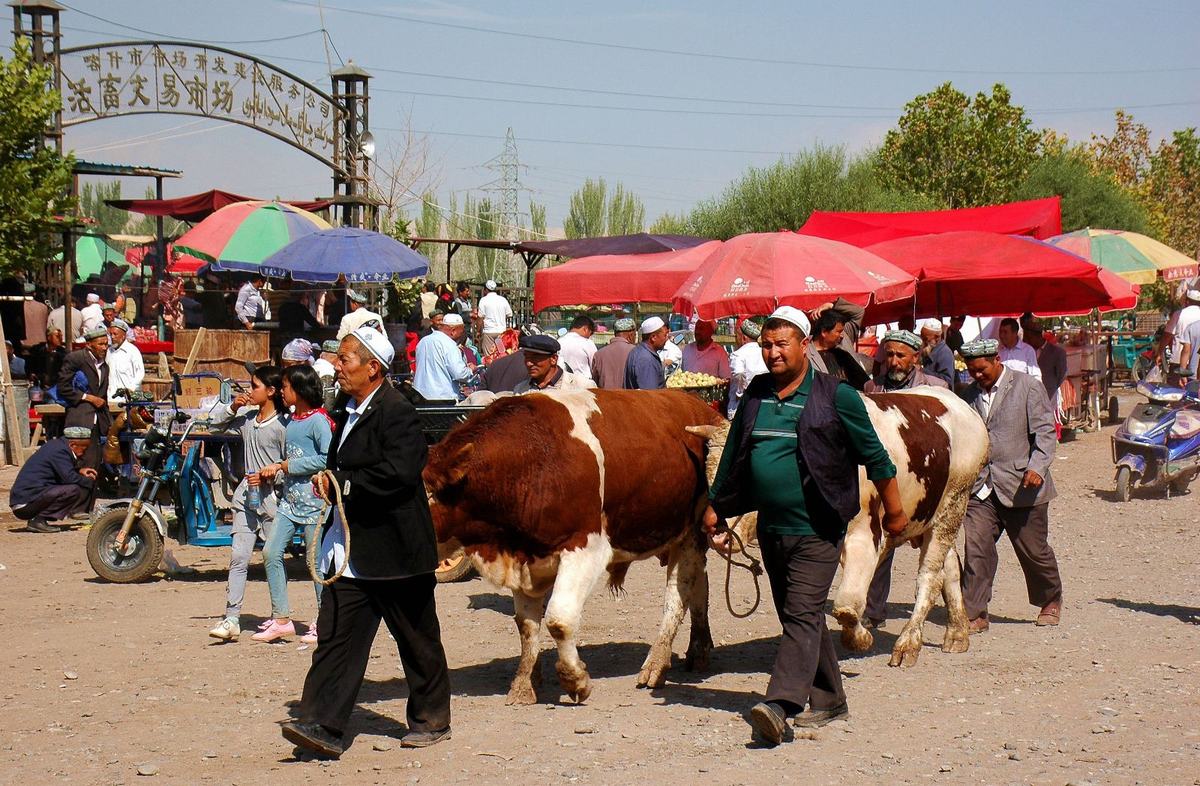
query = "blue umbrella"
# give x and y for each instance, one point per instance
(358, 254)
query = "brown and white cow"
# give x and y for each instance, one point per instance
(939, 445)
(548, 491)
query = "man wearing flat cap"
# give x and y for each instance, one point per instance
(441, 369)
(643, 367)
(793, 453)
(358, 315)
(125, 367)
(83, 385)
(608, 364)
(745, 363)
(541, 363)
(376, 457)
(1014, 489)
(52, 484)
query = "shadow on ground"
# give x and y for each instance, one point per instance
(1188, 614)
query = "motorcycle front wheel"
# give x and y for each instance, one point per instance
(1124, 484)
(141, 557)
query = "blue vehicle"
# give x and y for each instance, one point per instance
(1158, 445)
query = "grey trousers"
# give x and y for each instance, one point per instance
(1028, 530)
(245, 534)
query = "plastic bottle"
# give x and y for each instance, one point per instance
(253, 492)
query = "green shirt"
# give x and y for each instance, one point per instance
(777, 478)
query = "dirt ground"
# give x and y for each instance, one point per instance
(99, 681)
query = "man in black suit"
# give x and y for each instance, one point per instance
(83, 384)
(376, 457)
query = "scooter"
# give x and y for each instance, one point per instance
(1158, 445)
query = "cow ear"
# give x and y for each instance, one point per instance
(458, 464)
(704, 432)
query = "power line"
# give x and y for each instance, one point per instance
(179, 38)
(738, 58)
(623, 145)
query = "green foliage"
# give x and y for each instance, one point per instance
(670, 224)
(784, 195)
(1089, 198)
(626, 214)
(1173, 192)
(148, 225)
(537, 221)
(959, 151)
(586, 214)
(34, 179)
(109, 220)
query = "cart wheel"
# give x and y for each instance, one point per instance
(1114, 410)
(137, 562)
(457, 567)
(1124, 484)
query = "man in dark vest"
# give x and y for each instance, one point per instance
(83, 385)
(793, 454)
(377, 455)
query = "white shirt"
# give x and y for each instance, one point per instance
(125, 369)
(57, 319)
(577, 353)
(1176, 325)
(987, 398)
(333, 545)
(745, 364)
(496, 312)
(250, 304)
(671, 353)
(429, 301)
(1021, 358)
(93, 317)
(355, 319)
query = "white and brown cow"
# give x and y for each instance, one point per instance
(939, 445)
(548, 491)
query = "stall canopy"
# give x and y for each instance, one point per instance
(1038, 218)
(180, 264)
(623, 278)
(198, 207)
(989, 274)
(325, 256)
(640, 243)
(92, 254)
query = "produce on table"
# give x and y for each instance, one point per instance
(692, 379)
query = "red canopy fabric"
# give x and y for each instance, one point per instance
(1039, 218)
(625, 278)
(198, 207)
(989, 274)
(755, 273)
(181, 264)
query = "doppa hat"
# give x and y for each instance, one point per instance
(651, 324)
(120, 323)
(541, 344)
(624, 325)
(795, 316)
(77, 432)
(983, 348)
(331, 345)
(356, 296)
(490, 285)
(297, 349)
(452, 319)
(750, 328)
(1193, 294)
(376, 343)
(932, 325)
(906, 337)
(93, 297)
(95, 333)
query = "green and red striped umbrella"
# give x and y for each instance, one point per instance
(240, 236)
(1135, 258)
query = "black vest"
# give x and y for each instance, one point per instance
(823, 451)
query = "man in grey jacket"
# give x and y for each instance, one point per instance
(1014, 489)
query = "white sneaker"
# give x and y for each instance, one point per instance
(228, 630)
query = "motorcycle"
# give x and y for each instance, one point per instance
(1158, 445)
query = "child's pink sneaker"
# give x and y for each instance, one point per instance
(275, 631)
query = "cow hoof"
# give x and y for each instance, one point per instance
(956, 641)
(523, 693)
(576, 683)
(855, 637)
(652, 677)
(905, 657)
(698, 659)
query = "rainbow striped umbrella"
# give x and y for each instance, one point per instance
(240, 236)
(1136, 258)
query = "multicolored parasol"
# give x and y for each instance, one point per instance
(240, 236)
(1135, 258)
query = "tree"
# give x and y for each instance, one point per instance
(148, 225)
(1089, 198)
(1125, 155)
(537, 221)
(1173, 192)
(669, 224)
(784, 195)
(429, 224)
(586, 214)
(34, 179)
(109, 220)
(626, 214)
(960, 151)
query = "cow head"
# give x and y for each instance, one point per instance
(446, 471)
(716, 437)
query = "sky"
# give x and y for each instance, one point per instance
(673, 99)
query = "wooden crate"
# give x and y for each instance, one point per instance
(223, 351)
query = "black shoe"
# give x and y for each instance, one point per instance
(769, 720)
(38, 524)
(423, 739)
(814, 718)
(313, 737)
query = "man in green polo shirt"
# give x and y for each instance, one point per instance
(793, 453)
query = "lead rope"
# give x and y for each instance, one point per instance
(753, 566)
(314, 547)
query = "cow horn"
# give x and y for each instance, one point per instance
(704, 432)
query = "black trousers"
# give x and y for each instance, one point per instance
(800, 569)
(346, 626)
(56, 503)
(881, 587)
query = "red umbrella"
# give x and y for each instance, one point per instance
(623, 278)
(990, 274)
(753, 274)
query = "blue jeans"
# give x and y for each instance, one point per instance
(277, 543)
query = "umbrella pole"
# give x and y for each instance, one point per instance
(160, 246)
